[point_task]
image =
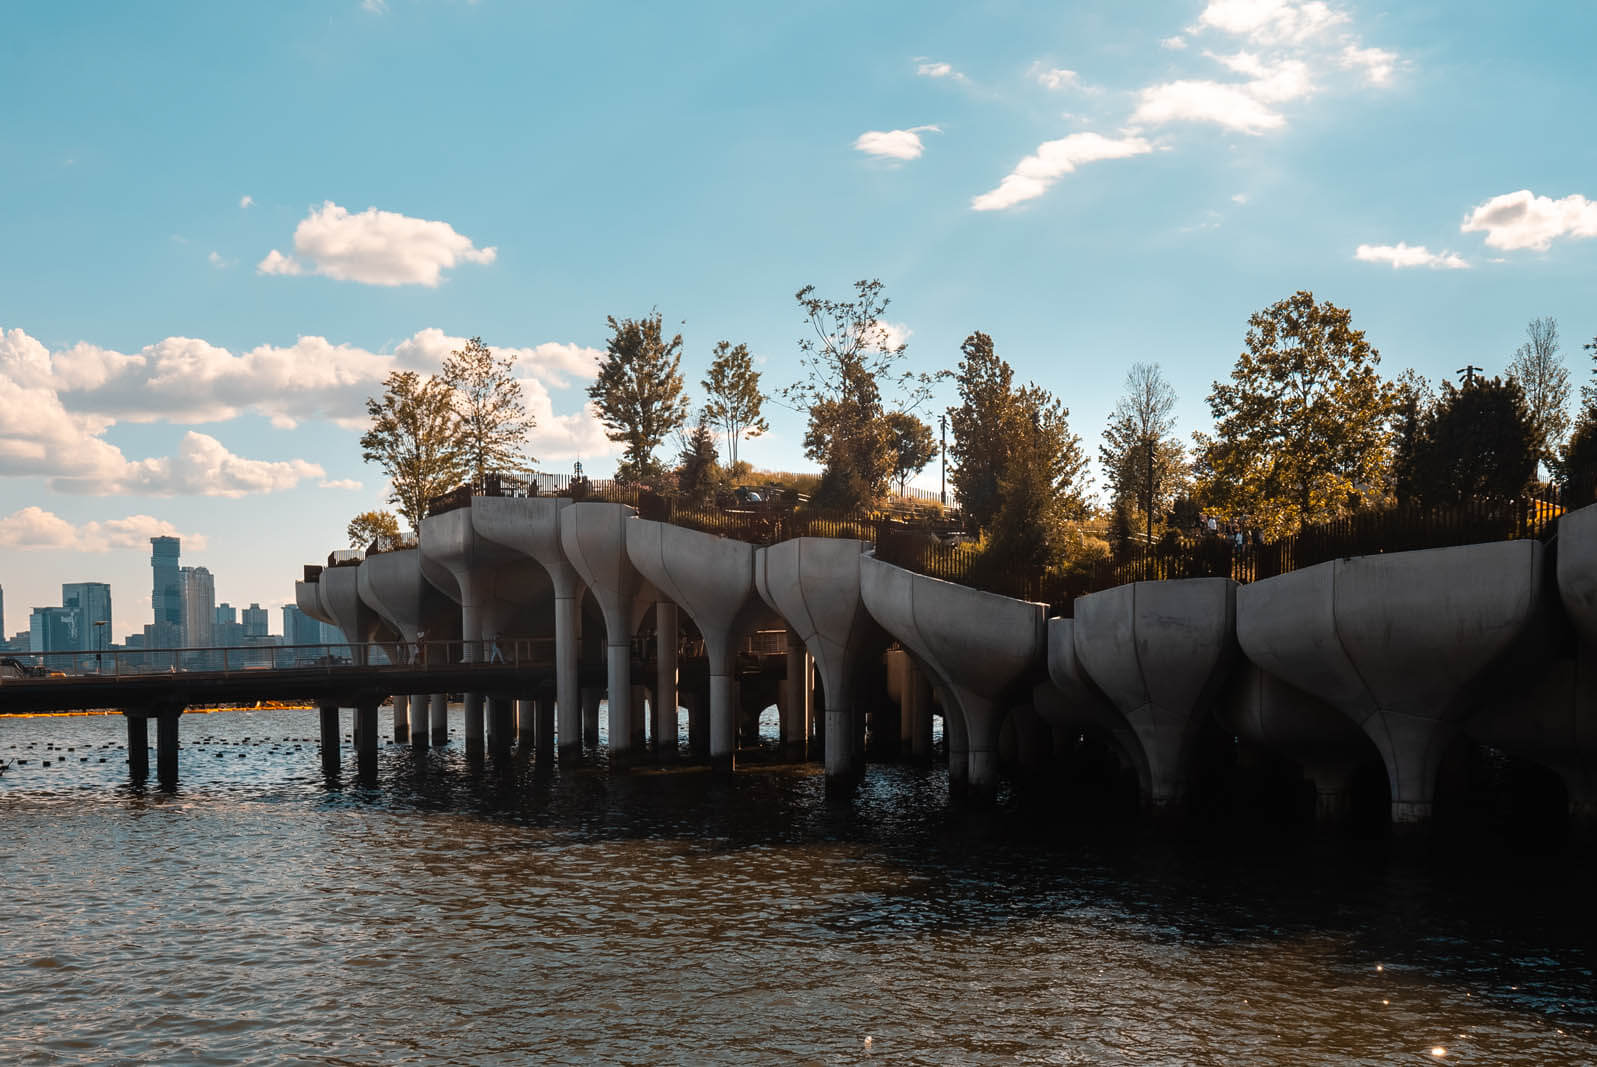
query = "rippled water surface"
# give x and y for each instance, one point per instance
(454, 915)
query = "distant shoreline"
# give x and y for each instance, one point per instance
(265, 706)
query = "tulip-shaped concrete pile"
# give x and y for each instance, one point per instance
(308, 595)
(339, 589)
(594, 538)
(814, 583)
(1159, 651)
(392, 584)
(531, 526)
(1081, 705)
(980, 644)
(1394, 643)
(712, 579)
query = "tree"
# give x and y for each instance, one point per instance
(1543, 378)
(845, 366)
(1412, 404)
(1477, 442)
(696, 462)
(1142, 462)
(1039, 488)
(733, 396)
(1302, 431)
(982, 430)
(912, 443)
(1577, 465)
(493, 418)
(375, 531)
(638, 392)
(415, 439)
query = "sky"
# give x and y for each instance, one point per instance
(222, 225)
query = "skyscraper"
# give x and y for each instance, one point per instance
(90, 606)
(256, 621)
(166, 596)
(199, 604)
(50, 630)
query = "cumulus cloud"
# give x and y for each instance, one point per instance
(1058, 78)
(893, 144)
(934, 70)
(1403, 255)
(340, 483)
(1524, 220)
(35, 528)
(1053, 160)
(246, 201)
(1231, 106)
(375, 248)
(1271, 22)
(1376, 63)
(202, 467)
(1173, 44)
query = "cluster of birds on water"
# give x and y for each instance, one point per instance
(61, 754)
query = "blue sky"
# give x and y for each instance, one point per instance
(223, 224)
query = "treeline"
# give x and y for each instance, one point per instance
(1306, 429)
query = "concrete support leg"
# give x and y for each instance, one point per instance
(665, 683)
(544, 729)
(1412, 748)
(796, 702)
(619, 694)
(366, 739)
(501, 725)
(958, 744)
(920, 741)
(440, 718)
(526, 723)
(401, 718)
(166, 745)
(723, 722)
(640, 696)
(332, 757)
(138, 745)
(474, 724)
(698, 721)
(568, 700)
(842, 768)
(591, 697)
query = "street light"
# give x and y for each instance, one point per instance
(99, 645)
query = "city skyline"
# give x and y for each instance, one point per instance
(211, 277)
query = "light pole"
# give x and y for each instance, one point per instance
(99, 645)
(942, 451)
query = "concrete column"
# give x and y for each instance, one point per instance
(366, 739)
(166, 745)
(723, 721)
(698, 721)
(618, 694)
(526, 722)
(332, 757)
(475, 731)
(639, 697)
(591, 696)
(920, 688)
(544, 728)
(401, 718)
(440, 718)
(796, 696)
(138, 744)
(667, 627)
(568, 648)
(421, 731)
(501, 724)
(957, 742)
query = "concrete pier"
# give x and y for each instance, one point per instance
(501, 725)
(138, 743)
(594, 539)
(1394, 642)
(592, 697)
(332, 753)
(668, 634)
(476, 734)
(366, 738)
(798, 697)
(439, 718)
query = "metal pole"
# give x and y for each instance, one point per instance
(942, 477)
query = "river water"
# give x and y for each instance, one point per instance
(454, 915)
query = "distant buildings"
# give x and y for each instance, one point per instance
(90, 606)
(199, 608)
(50, 630)
(166, 595)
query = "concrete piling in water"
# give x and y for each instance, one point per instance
(366, 738)
(594, 539)
(401, 718)
(544, 736)
(592, 696)
(332, 757)
(475, 733)
(440, 718)
(501, 725)
(138, 743)
(667, 634)
(166, 744)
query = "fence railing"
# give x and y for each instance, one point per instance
(125, 663)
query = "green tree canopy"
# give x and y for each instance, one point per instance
(1476, 442)
(845, 365)
(912, 443)
(1539, 371)
(1302, 431)
(492, 416)
(733, 397)
(983, 435)
(1039, 489)
(696, 466)
(375, 531)
(414, 437)
(638, 392)
(1143, 462)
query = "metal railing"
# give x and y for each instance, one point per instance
(128, 663)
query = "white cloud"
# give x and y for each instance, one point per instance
(374, 7)
(934, 70)
(35, 528)
(217, 260)
(1053, 159)
(1058, 78)
(246, 201)
(202, 467)
(1403, 255)
(1271, 22)
(375, 248)
(1240, 198)
(340, 483)
(1523, 220)
(1285, 79)
(1173, 44)
(1377, 63)
(277, 263)
(1231, 106)
(893, 144)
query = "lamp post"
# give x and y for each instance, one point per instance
(99, 645)
(942, 451)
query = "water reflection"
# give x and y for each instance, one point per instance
(458, 914)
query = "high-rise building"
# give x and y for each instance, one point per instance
(199, 603)
(256, 621)
(50, 630)
(90, 605)
(226, 613)
(2, 612)
(166, 595)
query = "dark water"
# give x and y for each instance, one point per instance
(453, 916)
